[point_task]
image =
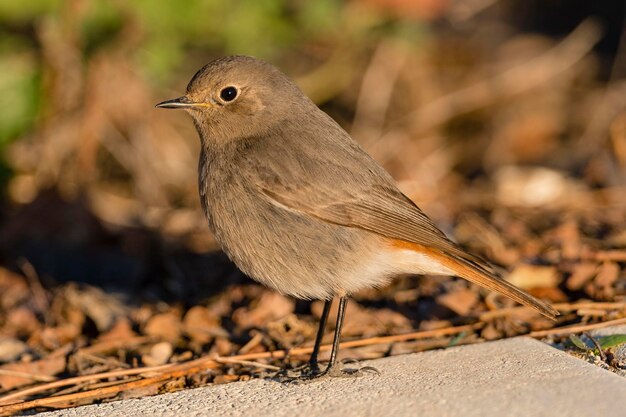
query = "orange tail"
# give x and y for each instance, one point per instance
(479, 276)
(470, 267)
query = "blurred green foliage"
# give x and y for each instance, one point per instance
(50, 50)
(19, 89)
(164, 33)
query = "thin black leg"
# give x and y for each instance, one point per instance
(314, 371)
(341, 312)
(320, 334)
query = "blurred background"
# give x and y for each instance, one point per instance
(505, 120)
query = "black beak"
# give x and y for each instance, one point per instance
(177, 103)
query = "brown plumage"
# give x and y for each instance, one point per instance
(300, 206)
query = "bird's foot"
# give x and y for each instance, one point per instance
(309, 371)
(341, 371)
(312, 372)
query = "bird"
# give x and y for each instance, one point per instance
(300, 206)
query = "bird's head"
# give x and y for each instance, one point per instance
(238, 96)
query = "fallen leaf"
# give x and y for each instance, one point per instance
(55, 337)
(527, 276)
(460, 301)
(578, 342)
(11, 349)
(553, 294)
(607, 275)
(224, 379)
(41, 370)
(569, 237)
(13, 289)
(21, 322)
(271, 306)
(159, 354)
(490, 332)
(583, 272)
(103, 308)
(200, 323)
(222, 346)
(165, 326)
(121, 330)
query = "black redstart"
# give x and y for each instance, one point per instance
(299, 206)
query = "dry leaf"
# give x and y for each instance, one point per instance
(103, 308)
(222, 346)
(41, 370)
(159, 354)
(200, 324)
(11, 349)
(224, 379)
(55, 337)
(121, 330)
(21, 321)
(460, 301)
(271, 306)
(583, 272)
(13, 289)
(166, 326)
(607, 275)
(527, 276)
(490, 332)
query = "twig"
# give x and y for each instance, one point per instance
(110, 362)
(34, 377)
(365, 342)
(562, 307)
(588, 312)
(252, 343)
(104, 384)
(560, 331)
(597, 345)
(78, 379)
(40, 296)
(210, 361)
(177, 370)
(109, 345)
(248, 363)
(99, 392)
(608, 255)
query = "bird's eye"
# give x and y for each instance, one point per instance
(228, 93)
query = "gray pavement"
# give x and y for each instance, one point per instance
(514, 377)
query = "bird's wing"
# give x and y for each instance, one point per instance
(347, 187)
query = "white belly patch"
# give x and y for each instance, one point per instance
(379, 269)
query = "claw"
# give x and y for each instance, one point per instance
(352, 373)
(309, 373)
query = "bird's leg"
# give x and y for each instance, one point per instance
(332, 370)
(314, 370)
(341, 312)
(313, 364)
(311, 369)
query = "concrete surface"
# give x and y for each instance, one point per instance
(515, 377)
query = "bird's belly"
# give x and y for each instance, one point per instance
(293, 253)
(388, 262)
(302, 256)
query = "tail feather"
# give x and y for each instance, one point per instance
(479, 276)
(474, 270)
